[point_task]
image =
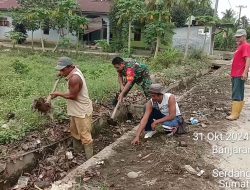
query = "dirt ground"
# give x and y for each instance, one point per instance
(160, 161)
(54, 163)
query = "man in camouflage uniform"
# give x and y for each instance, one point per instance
(129, 73)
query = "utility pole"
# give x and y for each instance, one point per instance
(240, 7)
(212, 33)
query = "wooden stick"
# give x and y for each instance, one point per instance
(53, 90)
(115, 110)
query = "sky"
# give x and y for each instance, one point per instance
(227, 4)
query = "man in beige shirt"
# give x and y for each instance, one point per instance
(79, 105)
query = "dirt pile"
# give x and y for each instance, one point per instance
(41, 105)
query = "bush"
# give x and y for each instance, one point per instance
(65, 43)
(196, 54)
(104, 45)
(168, 57)
(19, 67)
(125, 52)
(21, 28)
(225, 43)
(15, 37)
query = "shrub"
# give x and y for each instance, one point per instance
(125, 52)
(19, 67)
(104, 45)
(21, 28)
(65, 43)
(196, 54)
(223, 42)
(168, 57)
(15, 37)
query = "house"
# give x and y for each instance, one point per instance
(95, 10)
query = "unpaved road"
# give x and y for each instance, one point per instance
(234, 151)
(160, 162)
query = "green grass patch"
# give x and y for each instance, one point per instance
(170, 66)
(25, 76)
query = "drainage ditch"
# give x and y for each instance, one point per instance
(45, 164)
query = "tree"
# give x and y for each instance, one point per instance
(179, 15)
(158, 14)
(77, 24)
(15, 37)
(58, 14)
(228, 16)
(60, 18)
(37, 12)
(119, 31)
(28, 19)
(244, 21)
(128, 11)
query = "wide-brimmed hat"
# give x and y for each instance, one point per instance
(240, 32)
(63, 62)
(157, 89)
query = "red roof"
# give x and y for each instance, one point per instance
(93, 6)
(7, 4)
(96, 6)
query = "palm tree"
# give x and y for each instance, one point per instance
(228, 16)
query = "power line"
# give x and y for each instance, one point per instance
(241, 7)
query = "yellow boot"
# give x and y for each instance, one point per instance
(236, 109)
(241, 107)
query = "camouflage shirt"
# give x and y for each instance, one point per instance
(135, 72)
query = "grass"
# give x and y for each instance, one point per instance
(25, 76)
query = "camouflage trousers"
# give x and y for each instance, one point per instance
(145, 85)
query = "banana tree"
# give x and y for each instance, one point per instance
(127, 12)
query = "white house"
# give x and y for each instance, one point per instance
(95, 11)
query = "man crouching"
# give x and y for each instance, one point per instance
(161, 109)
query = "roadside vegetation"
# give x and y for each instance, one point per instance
(25, 76)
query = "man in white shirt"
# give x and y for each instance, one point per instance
(161, 109)
(79, 105)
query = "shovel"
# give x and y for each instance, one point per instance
(111, 121)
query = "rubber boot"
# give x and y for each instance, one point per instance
(236, 109)
(241, 106)
(77, 146)
(88, 150)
